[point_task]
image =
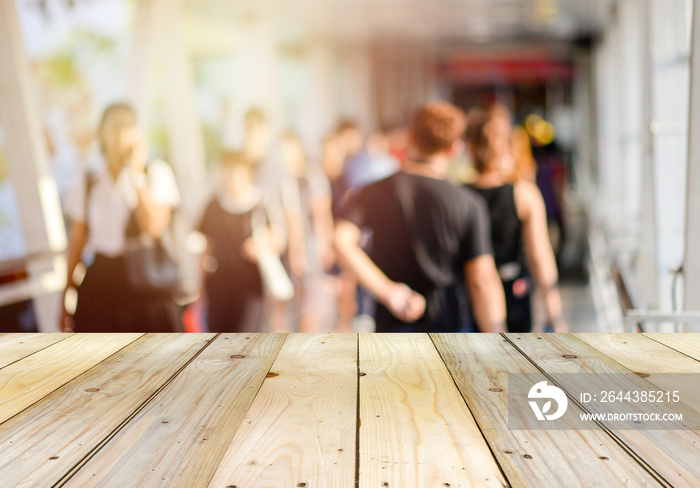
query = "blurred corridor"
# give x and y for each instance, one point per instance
(602, 97)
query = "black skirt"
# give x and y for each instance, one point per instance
(108, 303)
(235, 299)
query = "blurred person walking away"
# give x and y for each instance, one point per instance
(352, 142)
(423, 227)
(397, 142)
(518, 224)
(312, 254)
(125, 198)
(333, 165)
(371, 163)
(233, 285)
(344, 284)
(273, 178)
(367, 162)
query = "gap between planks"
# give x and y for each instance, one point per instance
(282, 442)
(95, 450)
(417, 428)
(48, 338)
(689, 347)
(563, 457)
(357, 416)
(142, 444)
(471, 412)
(65, 380)
(638, 458)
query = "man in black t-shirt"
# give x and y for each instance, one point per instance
(422, 229)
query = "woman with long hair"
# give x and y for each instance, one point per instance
(125, 197)
(522, 250)
(310, 251)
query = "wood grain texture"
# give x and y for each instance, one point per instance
(47, 440)
(660, 365)
(673, 454)
(179, 438)
(26, 381)
(480, 364)
(416, 429)
(14, 347)
(687, 343)
(300, 430)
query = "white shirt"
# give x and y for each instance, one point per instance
(113, 201)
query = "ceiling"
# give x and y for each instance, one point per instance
(438, 21)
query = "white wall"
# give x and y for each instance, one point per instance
(641, 71)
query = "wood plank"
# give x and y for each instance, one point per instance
(300, 430)
(687, 343)
(42, 443)
(179, 438)
(673, 454)
(32, 378)
(14, 347)
(480, 364)
(416, 429)
(652, 359)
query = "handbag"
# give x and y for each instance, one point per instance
(272, 272)
(151, 266)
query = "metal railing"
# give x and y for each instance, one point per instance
(13, 264)
(635, 319)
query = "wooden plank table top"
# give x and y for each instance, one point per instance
(330, 411)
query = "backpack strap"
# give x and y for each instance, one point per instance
(90, 180)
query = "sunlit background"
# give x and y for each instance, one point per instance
(602, 88)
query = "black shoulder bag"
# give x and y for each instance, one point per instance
(151, 262)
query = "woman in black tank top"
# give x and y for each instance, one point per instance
(522, 251)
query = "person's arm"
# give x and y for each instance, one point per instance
(76, 242)
(538, 251)
(486, 293)
(151, 217)
(207, 262)
(296, 243)
(206, 266)
(275, 235)
(404, 303)
(323, 229)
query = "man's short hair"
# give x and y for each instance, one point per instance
(436, 126)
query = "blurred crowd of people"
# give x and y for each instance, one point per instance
(371, 236)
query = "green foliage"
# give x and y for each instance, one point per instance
(60, 69)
